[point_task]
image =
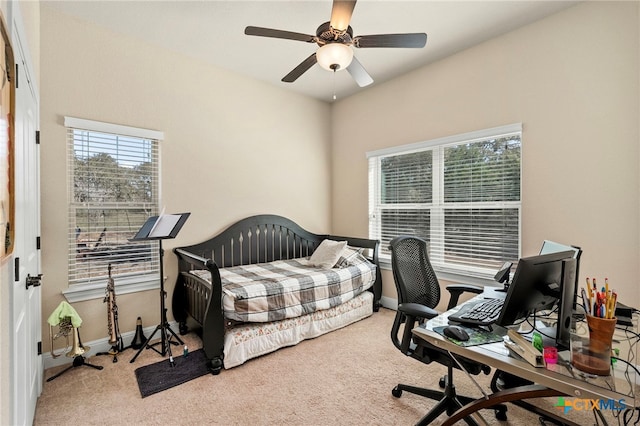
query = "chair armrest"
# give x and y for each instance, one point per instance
(417, 310)
(457, 289)
(412, 312)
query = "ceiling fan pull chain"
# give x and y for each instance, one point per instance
(334, 84)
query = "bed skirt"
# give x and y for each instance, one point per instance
(247, 341)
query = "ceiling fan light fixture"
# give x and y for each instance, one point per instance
(334, 56)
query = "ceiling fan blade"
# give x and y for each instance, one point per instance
(288, 35)
(391, 40)
(341, 14)
(300, 69)
(359, 74)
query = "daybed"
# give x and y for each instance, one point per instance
(213, 276)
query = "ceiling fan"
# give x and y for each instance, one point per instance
(335, 39)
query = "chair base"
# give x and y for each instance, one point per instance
(448, 400)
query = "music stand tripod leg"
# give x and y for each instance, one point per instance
(165, 338)
(145, 344)
(167, 327)
(173, 333)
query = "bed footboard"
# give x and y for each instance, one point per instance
(202, 301)
(256, 239)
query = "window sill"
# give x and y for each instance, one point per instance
(453, 277)
(97, 290)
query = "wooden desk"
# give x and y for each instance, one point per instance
(554, 380)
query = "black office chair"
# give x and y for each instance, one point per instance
(418, 294)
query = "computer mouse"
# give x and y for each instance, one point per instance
(456, 332)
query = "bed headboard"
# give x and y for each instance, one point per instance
(261, 238)
(265, 238)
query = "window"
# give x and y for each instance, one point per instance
(113, 190)
(460, 193)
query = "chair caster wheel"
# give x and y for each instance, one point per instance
(501, 415)
(442, 382)
(396, 392)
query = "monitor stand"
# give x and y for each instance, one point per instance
(504, 289)
(548, 335)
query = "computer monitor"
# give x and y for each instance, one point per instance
(553, 247)
(543, 282)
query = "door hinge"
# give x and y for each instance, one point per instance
(38, 242)
(16, 273)
(16, 76)
(40, 347)
(37, 137)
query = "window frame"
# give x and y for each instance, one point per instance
(474, 275)
(130, 283)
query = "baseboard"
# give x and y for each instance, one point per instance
(100, 345)
(389, 303)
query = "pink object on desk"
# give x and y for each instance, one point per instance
(550, 354)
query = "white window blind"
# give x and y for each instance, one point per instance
(460, 193)
(113, 190)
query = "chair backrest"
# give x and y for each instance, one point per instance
(415, 280)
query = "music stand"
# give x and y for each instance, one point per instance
(160, 228)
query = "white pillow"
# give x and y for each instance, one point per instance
(327, 254)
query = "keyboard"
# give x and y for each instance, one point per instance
(483, 312)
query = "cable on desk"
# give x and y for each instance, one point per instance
(628, 331)
(535, 328)
(631, 355)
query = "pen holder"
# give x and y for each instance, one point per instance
(594, 356)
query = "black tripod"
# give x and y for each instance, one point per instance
(146, 233)
(78, 361)
(115, 350)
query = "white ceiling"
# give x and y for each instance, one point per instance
(213, 31)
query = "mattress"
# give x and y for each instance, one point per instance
(283, 289)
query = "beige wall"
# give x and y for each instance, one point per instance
(233, 147)
(573, 81)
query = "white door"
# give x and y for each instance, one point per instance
(26, 360)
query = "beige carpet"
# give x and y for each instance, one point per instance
(342, 378)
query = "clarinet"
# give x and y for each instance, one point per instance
(115, 339)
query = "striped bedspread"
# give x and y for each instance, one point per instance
(288, 288)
